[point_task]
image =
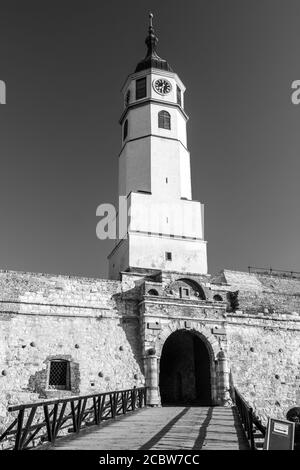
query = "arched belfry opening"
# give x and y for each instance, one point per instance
(185, 370)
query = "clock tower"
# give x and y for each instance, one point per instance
(164, 228)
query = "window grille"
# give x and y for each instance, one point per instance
(168, 256)
(59, 375)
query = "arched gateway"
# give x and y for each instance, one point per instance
(185, 370)
(186, 366)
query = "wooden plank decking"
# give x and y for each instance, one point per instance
(167, 428)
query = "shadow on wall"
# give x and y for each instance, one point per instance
(127, 307)
(185, 370)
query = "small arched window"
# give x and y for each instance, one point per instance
(164, 120)
(218, 298)
(152, 292)
(125, 129)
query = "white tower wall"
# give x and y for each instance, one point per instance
(165, 226)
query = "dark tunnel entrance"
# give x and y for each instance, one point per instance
(185, 370)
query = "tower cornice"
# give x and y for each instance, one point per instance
(142, 102)
(152, 135)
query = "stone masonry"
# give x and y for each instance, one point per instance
(112, 334)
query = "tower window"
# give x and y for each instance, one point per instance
(140, 88)
(168, 256)
(127, 98)
(164, 120)
(125, 129)
(178, 95)
(59, 375)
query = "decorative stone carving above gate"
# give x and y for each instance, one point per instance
(185, 289)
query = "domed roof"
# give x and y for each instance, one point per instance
(152, 59)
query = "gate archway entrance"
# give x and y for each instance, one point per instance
(185, 376)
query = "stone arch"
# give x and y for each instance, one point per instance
(218, 363)
(201, 330)
(194, 285)
(209, 340)
(178, 286)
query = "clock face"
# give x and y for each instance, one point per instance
(162, 86)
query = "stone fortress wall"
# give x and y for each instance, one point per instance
(264, 341)
(43, 317)
(105, 330)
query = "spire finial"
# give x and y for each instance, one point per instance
(151, 39)
(150, 19)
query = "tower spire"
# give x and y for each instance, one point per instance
(151, 40)
(152, 59)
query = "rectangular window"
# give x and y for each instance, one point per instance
(184, 292)
(178, 96)
(140, 88)
(59, 375)
(168, 256)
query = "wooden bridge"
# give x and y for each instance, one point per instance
(121, 420)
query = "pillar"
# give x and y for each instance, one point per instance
(223, 386)
(151, 363)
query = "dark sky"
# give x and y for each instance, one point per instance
(64, 64)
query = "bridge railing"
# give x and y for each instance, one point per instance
(45, 421)
(251, 423)
(274, 272)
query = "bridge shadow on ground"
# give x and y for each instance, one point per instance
(221, 429)
(165, 428)
(201, 428)
(155, 439)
